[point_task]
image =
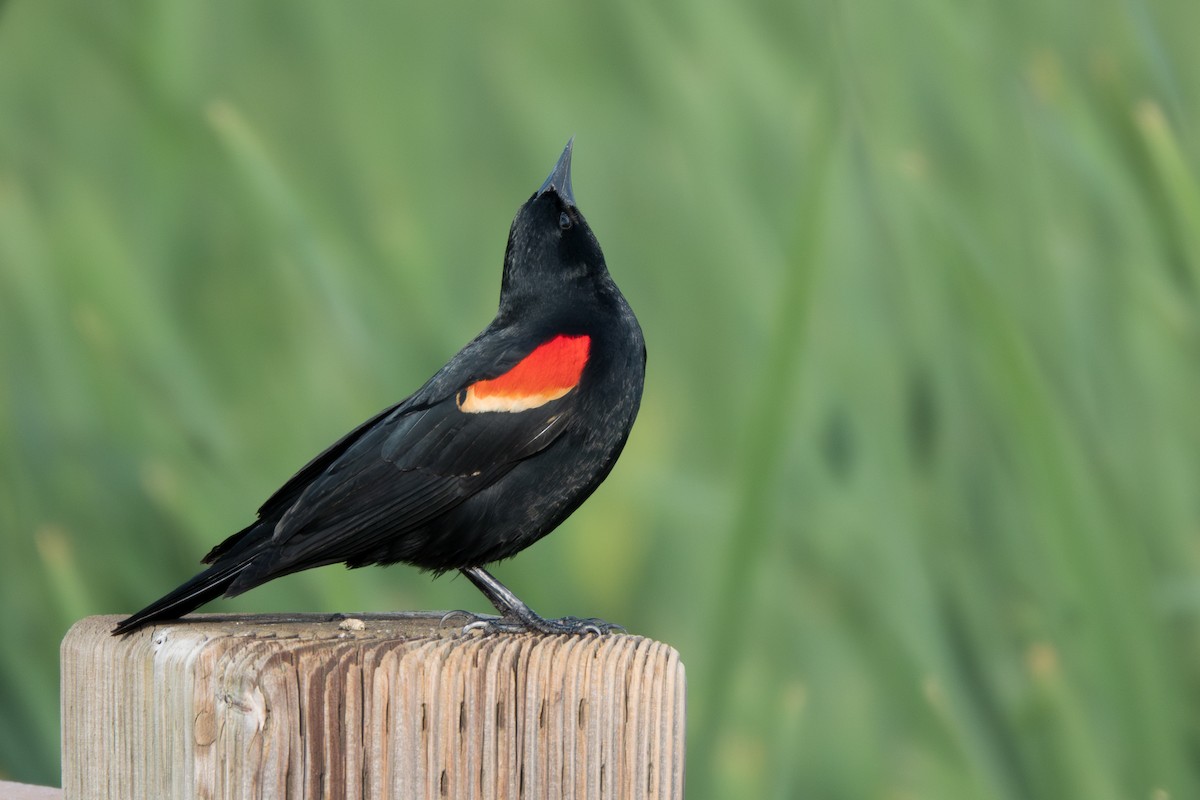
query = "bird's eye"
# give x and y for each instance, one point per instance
(564, 221)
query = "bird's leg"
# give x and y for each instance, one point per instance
(510, 606)
(516, 617)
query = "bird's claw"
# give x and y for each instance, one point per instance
(482, 622)
(478, 625)
(449, 615)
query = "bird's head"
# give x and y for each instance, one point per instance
(550, 244)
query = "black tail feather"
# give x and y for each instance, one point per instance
(208, 585)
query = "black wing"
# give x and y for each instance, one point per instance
(397, 475)
(497, 346)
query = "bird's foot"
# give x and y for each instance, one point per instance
(516, 617)
(566, 626)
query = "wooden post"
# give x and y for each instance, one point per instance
(377, 706)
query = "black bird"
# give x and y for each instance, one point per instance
(490, 455)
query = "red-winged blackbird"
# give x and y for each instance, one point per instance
(490, 455)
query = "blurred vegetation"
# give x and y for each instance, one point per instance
(916, 486)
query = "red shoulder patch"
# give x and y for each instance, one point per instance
(548, 373)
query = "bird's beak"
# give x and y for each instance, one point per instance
(560, 178)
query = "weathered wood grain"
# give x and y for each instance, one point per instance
(390, 706)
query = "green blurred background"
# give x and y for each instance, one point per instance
(915, 490)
